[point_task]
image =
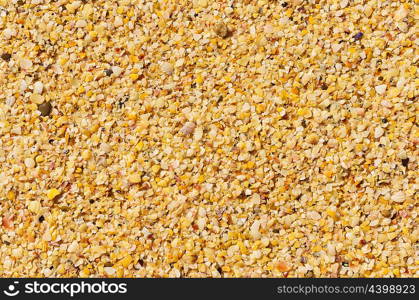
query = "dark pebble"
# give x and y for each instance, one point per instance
(108, 72)
(41, 219)
(384, 120)
(6, 56)
(309, 274)
(358, 36)
(140, 262)
(405, 162)
(45, 108)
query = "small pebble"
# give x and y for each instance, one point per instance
(81, 24)
(359, 111)
(282, 266)
(358, 36)
(117, 70)
(401, 13)
(188, 128)
(38, 87)
(10, 101)
(25, 63)
(221, 29)
(314, 215)
(6, 56)
(108, 72)
(378, 132)
(386, 213)
(405, 162)
(29, 163)
(8, 33)
(309, 274)
(386, 104)
(398, 197)
(109, 271)
(105, 147)
(167, 68)
(45, 108)
(381, 89)
(73, 247)
(345, 264)
(344, 3)
(118, 22)
(312, 138)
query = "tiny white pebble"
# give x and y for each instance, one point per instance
(398, 197)
(38, 87)
(8, 33)
(118, 21)
(81, 23)
(167, 68)
(196, 36)
(106, 148)
(401, 13)
(387, 103)
(336, 47)
(87, 10)
(198, 134)
(29, 163)
(344, 3)
(314, 215)
(254, 230)
(25, 63)
(381, 89)
(188, 128)
(23, 85)
(378, 132)
(359, 111)
(47, 272)
(109, 270)
(116, 70)
(73, 247)
(268, 29)
(10, 101)
(180, 62)
(246, 107)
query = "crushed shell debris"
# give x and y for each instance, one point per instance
(208, 138)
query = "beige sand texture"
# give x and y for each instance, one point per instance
(204, 138)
